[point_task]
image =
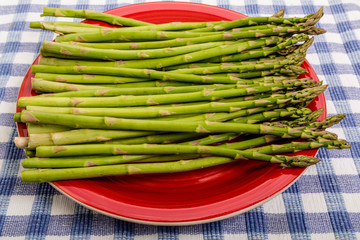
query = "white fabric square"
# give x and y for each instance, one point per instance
(313, 58)
(7, 19)
(50, 237)
(330, 107)
(275, 205)
(191, 237)
(279, 236)
(10, 3)
(314, 203)
(237, 2)
(24, 58)
(354, 105)
(235, 237)
(14, 81)
(20, 205)
(146, 237)
(31, 36)
(341, 58)
(97, 2)
(8, 107)
(322, 236)
(5, 133)
(352, 201)
(344, 166)
(3, 37)
(108, 237)
(62, 205)
(327, 19)
(349, 80)
(33, 17)
(333, 37)
(310, 171)
(14, 238)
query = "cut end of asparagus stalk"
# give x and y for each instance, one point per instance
(21, 142)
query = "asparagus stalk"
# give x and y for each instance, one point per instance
(33, 128)
(118, 149)
(172, 126)
(225, 67)
(75, 136)
(39, 24)
(111, 54)
(254, 118)
(63, 28)
(289, 70)
(201, 55)
(304, 83)
(121, 169)
(148, 100)
(40, 85)
(91, 135)
(131, 72)
(156, 44)
(113, 34)
(204, 141)
(306, 21)
(251, 143)
(89, 14)
(45, 175)
(61, 136)
(107, 80)
(86, 78)
(79, 161)
(283, 47)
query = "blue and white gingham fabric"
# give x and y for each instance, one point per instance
(323, 204)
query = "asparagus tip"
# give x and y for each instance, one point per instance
(298, 161)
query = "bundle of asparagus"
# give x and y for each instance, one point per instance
(170, 97)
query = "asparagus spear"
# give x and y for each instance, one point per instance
(62, 28)
(149, 125)
(111, 54)
(200, 55)
(266, 51)
(40, 85)
(113, 34)
(33, 128)
(255, 66)
(121, 169)
(91, 135)
(246, 144)
(306, 21)
(156, 44)
(89, 14)
(39, 24)
(165, 167)
(148, 100)
(86, 78)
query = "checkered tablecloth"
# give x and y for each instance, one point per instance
(323, 204)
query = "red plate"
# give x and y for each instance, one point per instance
(181, 198)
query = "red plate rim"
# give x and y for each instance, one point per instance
(175, 216)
